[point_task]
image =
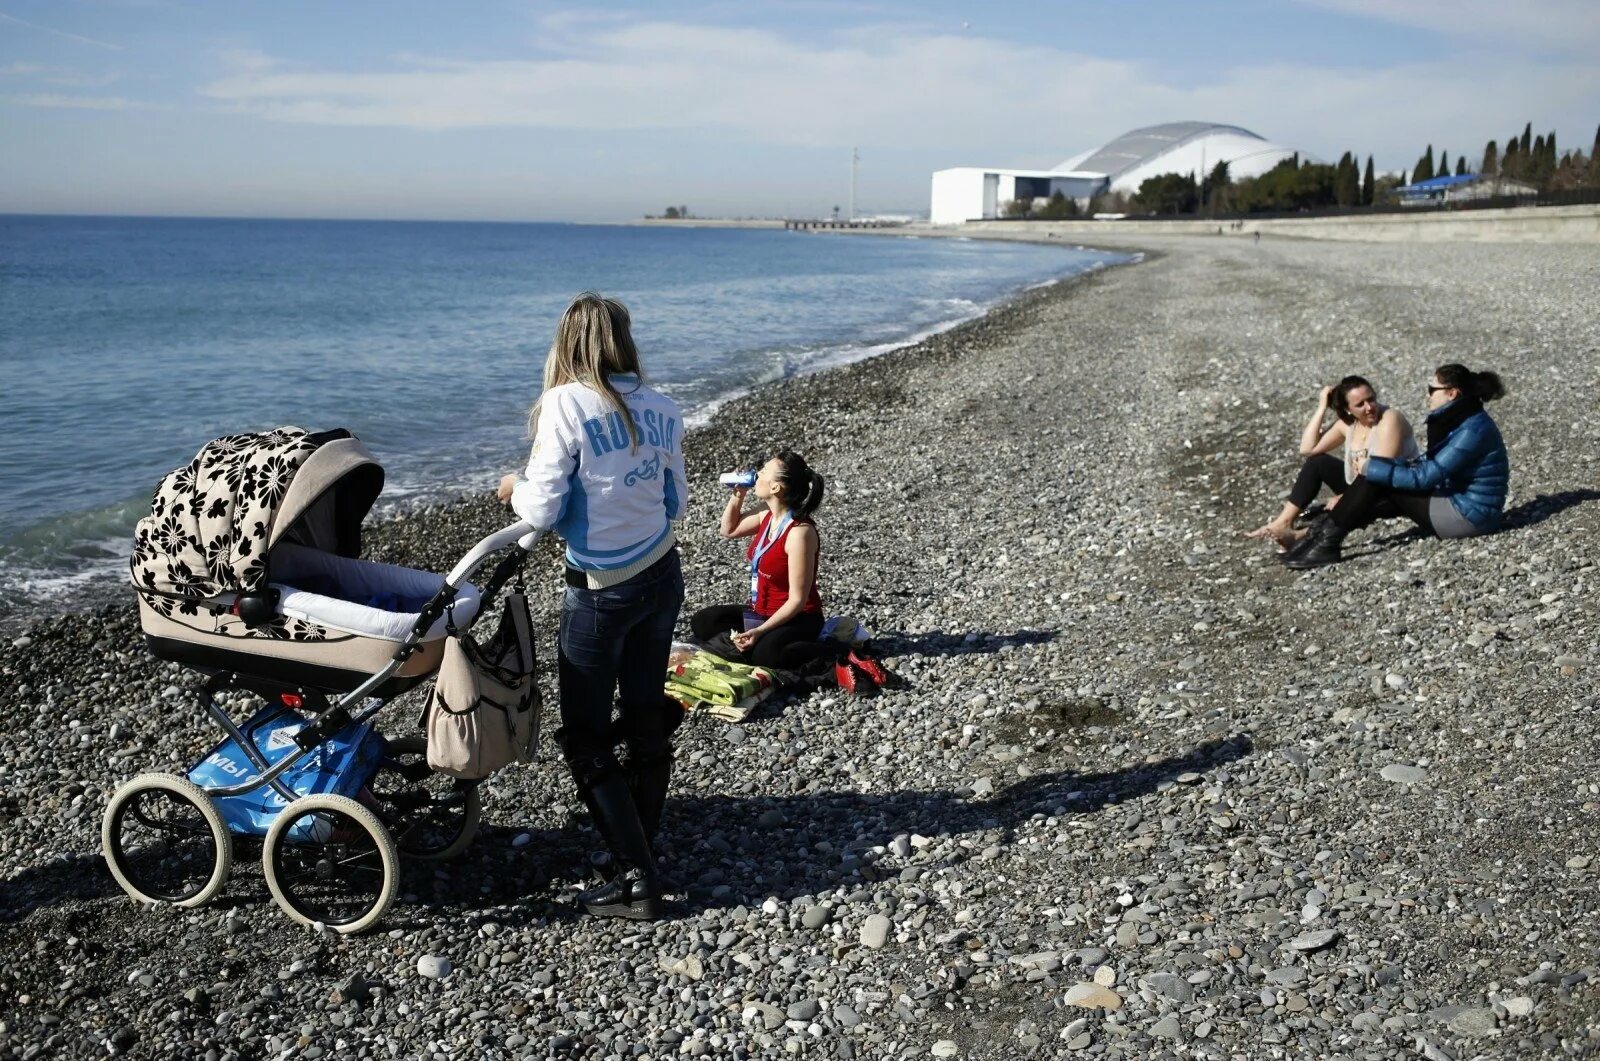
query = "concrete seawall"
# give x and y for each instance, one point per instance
(1544, 224)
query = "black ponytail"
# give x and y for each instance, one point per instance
(802, 487)
(1484, 386)
(1339, 401)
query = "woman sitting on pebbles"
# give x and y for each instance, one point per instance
(780, 624)
(1367, 429)
(1457, 490)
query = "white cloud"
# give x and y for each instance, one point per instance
(975, 99)
(1562, 26)
(63, 34)
(62, 101)
(64, 77)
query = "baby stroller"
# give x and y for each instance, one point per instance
(246, 570)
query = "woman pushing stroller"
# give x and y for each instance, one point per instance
(607, 473)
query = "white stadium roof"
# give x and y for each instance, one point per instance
(1178, 147)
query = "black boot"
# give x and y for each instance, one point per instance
(635, 892)
(1300, 547)
(648, 782)
(1321, 547)
(587, 798)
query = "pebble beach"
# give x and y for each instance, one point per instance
(1141, 792)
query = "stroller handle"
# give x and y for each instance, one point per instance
(523, 534)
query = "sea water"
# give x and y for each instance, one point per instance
(127, 343)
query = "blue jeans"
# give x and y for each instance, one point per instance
(616, 640)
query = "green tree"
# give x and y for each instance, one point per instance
(1059, 208)
(1594, 160)
(1525, 149)
(1346, 182)
(1168, 193)
(1384, 190)
(1424, 167)
(1491, 160)
(1215, 188)
(672, 213)
(1367, 184)
(1287, 186)
(1511, 164)
(1016, 208)
(1461, 166)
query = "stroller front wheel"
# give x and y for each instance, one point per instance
(165, 841)
(329, 860)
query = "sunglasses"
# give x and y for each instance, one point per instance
(1434, 390)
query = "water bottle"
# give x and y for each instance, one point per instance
(734, 480)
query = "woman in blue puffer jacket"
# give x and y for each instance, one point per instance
(1456, 490)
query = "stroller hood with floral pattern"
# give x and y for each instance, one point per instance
(248, 562)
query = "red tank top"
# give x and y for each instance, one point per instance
(770, 574)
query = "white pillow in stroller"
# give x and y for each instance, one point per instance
(361, 596)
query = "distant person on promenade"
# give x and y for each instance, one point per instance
(607, 474)
(1364, 426)
(1456, 490)
(779, 624)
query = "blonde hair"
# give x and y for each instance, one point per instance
(593, 340)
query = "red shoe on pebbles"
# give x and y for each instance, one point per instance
(847, 677)
(871, 668)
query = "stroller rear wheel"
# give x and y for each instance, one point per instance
(434, 816)
(165, 841)
(329, 860)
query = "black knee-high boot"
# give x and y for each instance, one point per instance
(635, 892)
(648, 781)
(583, 789)
(647, 734)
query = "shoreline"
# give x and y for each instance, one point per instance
(95, 592)
(1135, 763)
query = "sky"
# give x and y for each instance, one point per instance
(522, 110)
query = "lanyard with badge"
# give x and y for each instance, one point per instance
(761, 548)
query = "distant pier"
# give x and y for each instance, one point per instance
(800, 224)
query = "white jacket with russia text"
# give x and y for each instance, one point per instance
(613, 503)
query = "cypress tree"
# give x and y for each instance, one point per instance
(1547, 161)
(1511, 165)
(1444, 164)
(1425, 170)
(1367, 184)
(1461, 166)
(1525, 148)
(1491, 160)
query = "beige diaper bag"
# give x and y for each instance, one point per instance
(483, 713)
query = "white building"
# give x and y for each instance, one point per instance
(966, 193)
(972, 193)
